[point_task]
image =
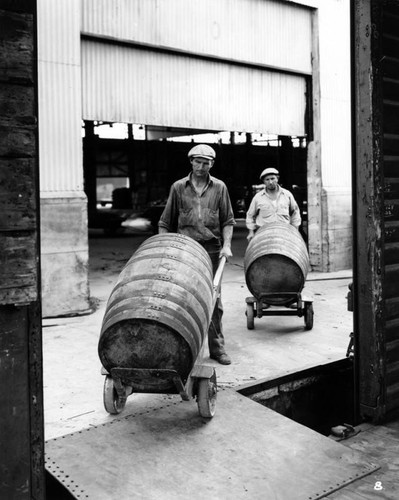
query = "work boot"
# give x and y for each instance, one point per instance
(223, 359)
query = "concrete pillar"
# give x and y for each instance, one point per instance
(329, 151)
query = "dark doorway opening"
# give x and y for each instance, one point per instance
(125, 176)
(320, 397)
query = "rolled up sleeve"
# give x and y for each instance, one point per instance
(168, 219)
(226, 209)
(295, 214)
(250, 220)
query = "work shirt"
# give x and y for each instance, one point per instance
(263, 209)
(200, 216)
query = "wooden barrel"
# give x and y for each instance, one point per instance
(276, 261)
(160, 309)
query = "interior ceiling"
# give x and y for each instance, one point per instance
(154, 132)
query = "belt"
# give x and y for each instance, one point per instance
(211, 241)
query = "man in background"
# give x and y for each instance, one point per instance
(272, 203)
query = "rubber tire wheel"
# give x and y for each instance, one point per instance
(250, 316)
(308, 316)
(112, 402)
(206, 396)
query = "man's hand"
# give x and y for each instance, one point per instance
(251, 234)
(225, 252)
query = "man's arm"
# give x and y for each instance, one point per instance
(250, 220)
(226, 220)
(168, 219)
(227, 233)
(295, 214)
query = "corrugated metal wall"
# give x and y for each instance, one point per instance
(160, 63)
(280, 33)
(137, 86)
(335, 93)
(59, 96)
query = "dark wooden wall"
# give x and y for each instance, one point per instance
(390, 96)
(21, 401)
(376, 207)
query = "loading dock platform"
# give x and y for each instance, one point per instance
(246, 451)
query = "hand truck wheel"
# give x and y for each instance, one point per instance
(113, 403)
(250, 316)
(206, 396)
(308, 316)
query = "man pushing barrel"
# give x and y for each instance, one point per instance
(199, 206)
(271, 204)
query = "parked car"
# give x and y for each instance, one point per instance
(114, 221)
(145, 220)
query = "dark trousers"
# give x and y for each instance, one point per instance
(215, 332)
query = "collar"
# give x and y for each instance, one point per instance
(188, 179)
(279, 190)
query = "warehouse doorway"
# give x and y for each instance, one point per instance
(133, 173)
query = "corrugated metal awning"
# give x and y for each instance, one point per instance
(132, 84)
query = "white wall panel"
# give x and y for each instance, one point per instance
(264, 32)
(58, 22)
(335, 136)
(124, 84)
(60, 143)
(335, 104)
(60, 112)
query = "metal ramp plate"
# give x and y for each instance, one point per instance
(245, 452)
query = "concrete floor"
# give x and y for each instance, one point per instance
(277, 346)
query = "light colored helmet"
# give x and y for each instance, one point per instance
(202, 150)
(269, 171)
